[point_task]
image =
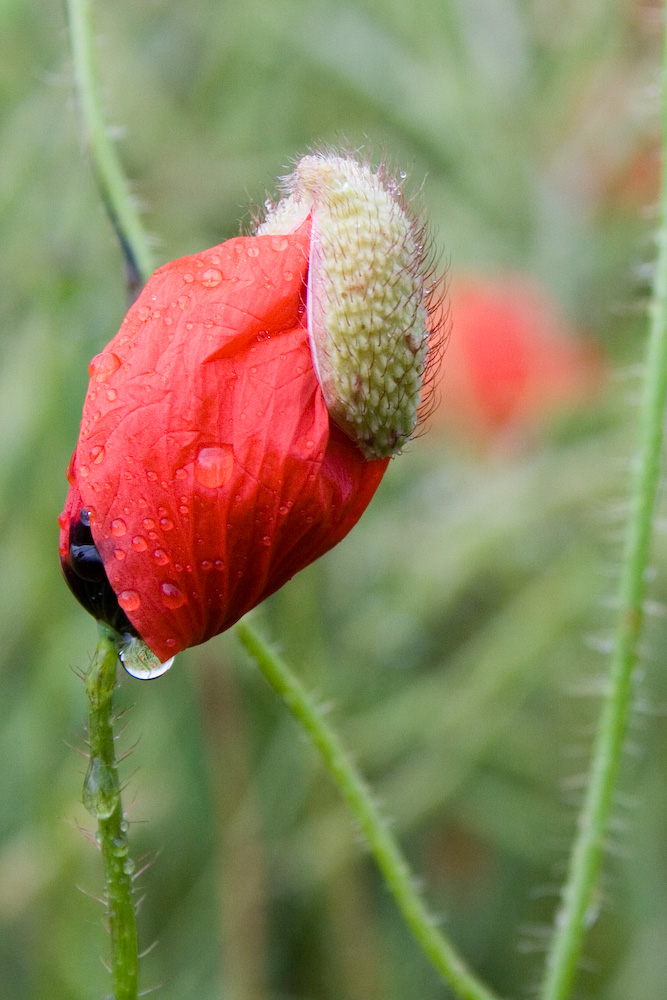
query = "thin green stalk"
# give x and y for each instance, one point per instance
(588, 849)
(110, 176)
(384, 848)
(102, 799)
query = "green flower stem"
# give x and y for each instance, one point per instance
(110, 176)
(384, 848)
(102, 799)
(589, 845)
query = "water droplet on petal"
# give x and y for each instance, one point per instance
(188, 278)
(166, 524)
(213, 466)
(211, 277)
(139, 543)
(253, 251)
(111, 394)
(180, 474)
(119, 554)
(129, 600)
(139, 661)
(118, 527)
(161, 557)
(206, 565)
(171, 595)
(97, 454)
(103, 366)
(279, 243)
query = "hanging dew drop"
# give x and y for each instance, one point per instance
(139, 661)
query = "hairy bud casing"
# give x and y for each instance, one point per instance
(367, 303)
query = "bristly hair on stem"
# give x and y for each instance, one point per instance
(591, 840)
(102, 798)
(393, 866)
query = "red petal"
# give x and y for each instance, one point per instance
(206, 452)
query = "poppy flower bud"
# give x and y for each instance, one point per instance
(367, 315)
(208, 469)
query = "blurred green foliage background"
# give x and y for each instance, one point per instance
(459, 632)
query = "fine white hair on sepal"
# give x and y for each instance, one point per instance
(370, 305)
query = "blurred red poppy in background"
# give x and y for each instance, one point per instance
(207, 470)
(512, 361)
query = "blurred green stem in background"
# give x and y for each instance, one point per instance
(578, 898)
(384, 848)
(102, 799)
(108, 171)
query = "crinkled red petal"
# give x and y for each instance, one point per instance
(206, 454)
